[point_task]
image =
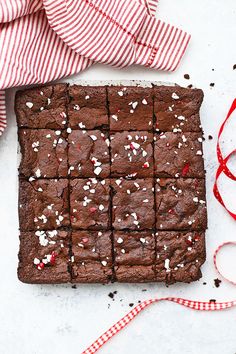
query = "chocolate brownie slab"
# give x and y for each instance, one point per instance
(42, 107)
(43, 204)
(134, 256)
(92, 256)
(44, 153)
(177, 108)
(178, 155)
(89, 203)
(132, 154)
(180, 256)
(181, 204)
(44, 257)
(133, 204)
(87, 108)
(131, 108)
(88, 154)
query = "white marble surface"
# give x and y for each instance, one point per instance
(59, 319)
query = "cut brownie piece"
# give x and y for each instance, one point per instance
(44, 257)
(89, 203)
(87, 108)
(92, 257)
(44, 153)
(177, 108)
(133, 204)
(131, 108)
(42, 107)
(178, 155)
(179, 256)
(181, 204)
(88, 154)
(134, 256)
(43, 204)
(132, 154)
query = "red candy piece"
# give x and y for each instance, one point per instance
(40, 266)
(93, 161)
(53, 257)
(196, 238)
(189, 242)
(92, 209)
(171, 211)
(185, 169)
(145, 165)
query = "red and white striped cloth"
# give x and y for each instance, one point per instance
(44, 40)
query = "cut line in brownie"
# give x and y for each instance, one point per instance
(90, 204)
(180, 256)
(178, 155)
(44, 257)
(131, 108)
(91, 256)
(87, 108)
(133, 204)
(180, 204)
(42, 107)
(43, 204)
(177, 109)
(132, 154)
(44, 153)
(134, 254)
(88, 154)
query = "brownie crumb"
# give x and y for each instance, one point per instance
(108, 306)
(204, 283)
(210, 137)
(74, 286)
(212, 84)
(144, 289)
(213, 69)
(186, 76)
(217, 282)
(111, 295)
(131, 304)
(212, 300)
(190, 86)
(139, 301)
(115, 292)
(234, 67)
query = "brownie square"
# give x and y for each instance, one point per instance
(44, 153)
(42, 107)
(92, 257)
(88, 154)
(90, 203)
(44, 257)
(134, 256)
(177, 108)
(133, 204)
(131, 108)
(181, 204)
(178, 155)
(88, 107)
(132, 154)
(43, 204)
(180, 256)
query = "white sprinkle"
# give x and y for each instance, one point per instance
(68, 130)
(120, 93)
(114, 117)
(144, 153)
(97, 171)
(184, 138)
(104, 263)
(101, 207)
(118, 182)
(60, 141)
(87, 97)
(48, 136)
(144, 101)
(128, 191)
(195, 199)
(142, 240)
(167, 265)
(181, 117)
(93, 137)
(40, 189)
(134, 104)
(49, 101)
(58, 132)
(145, 201)
(200, 140)
(175, 96)
(119, 240)
(76, 107)
(199, 152)
(81, 125)
(38, 173)
(122, 250)
(36, 261)
(29, 104)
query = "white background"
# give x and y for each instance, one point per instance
(58, 319)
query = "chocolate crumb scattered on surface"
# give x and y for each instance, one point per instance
(210, 137)
(74, 286)
(212, 84)
(204, 283)
(131, 304)
(234, 67)
(217, 282)
(186, 76)
(212, 300)
(190, 86)
(111, 295)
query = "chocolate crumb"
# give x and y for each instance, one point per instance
(212, 84)
(213, 69)
(108, 306)
(234, 67)
(190, 86)
(111, 295)
(217, 282)
(212, 300)
(204, 283)
(74, 286)
(131, 304)
(115, 292)
(186, 76)
(210, 137)
(144, 289)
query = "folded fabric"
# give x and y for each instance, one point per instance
(44, 40)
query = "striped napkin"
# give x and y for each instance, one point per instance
(44, 40)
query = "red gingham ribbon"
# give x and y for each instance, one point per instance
(124, 321)
(219, 248)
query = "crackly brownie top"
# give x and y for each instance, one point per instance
(179, 255)
(44, 257)
(177, 108)
(44, 153)
(133, 204)
(42, 107)
(43, 204)
(180, 204)
(88, 107)
(179, 155)
(88, 154)
(90, 203)
(130, 108)
(132, 154)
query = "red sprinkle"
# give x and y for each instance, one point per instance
(131, 146)
(40, 266)
(53, 257)
(78, 147)
(185, 169)
(197, 238)
(171, 211)
(92, 209)
(85, 239)
(93, 161)
(146, 165)
(189, 242)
